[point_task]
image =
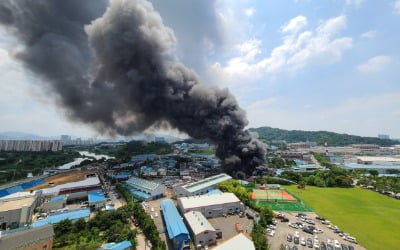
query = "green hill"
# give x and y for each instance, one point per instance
(334, 139)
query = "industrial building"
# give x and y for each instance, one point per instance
(28, 238)
(92, 183)
(55, 203)
(211, 205)
(177, 231)
(202, 232)
(96, 199)
(82, 213)
(145, 190)
(123, 245)
(20, 186)
(17, 209)
(199, 187)
(239, 241)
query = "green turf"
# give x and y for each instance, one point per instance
(285, 206)
(372, 218)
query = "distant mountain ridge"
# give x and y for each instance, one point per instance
(333, 139)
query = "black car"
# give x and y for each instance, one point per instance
(307, 230)
(344, 247)
(309, 243)
(323, 246)
(351, 247)
(319, 218)
(296, 240)
(295, 248)
(285, 220)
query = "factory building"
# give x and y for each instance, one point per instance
(202, 232)
(91, 183)
(96, 199)
(239, 241)
(55, 203)
(199, 187)
(177, 231)
(17, 209)
(211, 205)
(28, 238)
(145, 190)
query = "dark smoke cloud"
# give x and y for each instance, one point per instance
(118, 73)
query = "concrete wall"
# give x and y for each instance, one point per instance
(214, 210)
(206, 239)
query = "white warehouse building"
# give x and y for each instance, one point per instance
(211, 205)
(199, 187)
(203, 233)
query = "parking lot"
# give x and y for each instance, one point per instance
(283, 229)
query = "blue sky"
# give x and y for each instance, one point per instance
(293, 64)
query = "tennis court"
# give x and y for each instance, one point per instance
(271, 195)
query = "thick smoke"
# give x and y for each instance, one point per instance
(118, 73)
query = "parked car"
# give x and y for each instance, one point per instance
(285, 220)
(337, 245)
(319, 218)
(295, 247)
(344, 247)
(326, 222)
(287, 247)
(309, 242)
(296, 240)
(323, 246)
(294, 225)
(279, 216)
(302, 241)
(351, 247)
(249, 216)
(289, 238)
(156, 214)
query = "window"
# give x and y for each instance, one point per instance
(44, 247)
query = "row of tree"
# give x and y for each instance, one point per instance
(143, 219)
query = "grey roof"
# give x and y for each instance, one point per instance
(23, 238)
(143, 183)
(207, 182)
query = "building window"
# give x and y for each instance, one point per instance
(44, 247)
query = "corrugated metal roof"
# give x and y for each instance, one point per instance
(58, 198)
(207, 200)
(173, 220)
(117, 246)
(87, 182)
(239, 241)
(198, 223)
(207, 182)
(95, 196)
(55, 218)
(143, 183)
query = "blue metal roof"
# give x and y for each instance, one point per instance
(377, 167)
(55, 218)
(95, 195)
(58, 198)
(173, 220)
(117, 246)
(214, 191)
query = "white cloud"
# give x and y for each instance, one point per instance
(369, 34)
(294, 25)
(298, 49)
(396, 6)
(249, 11)
(354, 2)
(374, 64)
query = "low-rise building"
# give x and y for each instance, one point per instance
(96, 199)
(202, 232)
(239, 241)
(176, 229)
(211, 205)
(145, 190)
(16, 210)
(123, 245)
(200, 187)
(28, 238)
(55, 203)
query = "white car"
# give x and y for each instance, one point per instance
(337, 244)
(302, 241)
(152, 209)
(271, 233)
(296, 233)
(326, 222)
(156, 214)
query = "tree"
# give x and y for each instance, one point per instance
(373, 172)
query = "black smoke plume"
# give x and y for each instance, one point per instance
(111, 65)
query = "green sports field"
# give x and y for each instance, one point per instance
(372, 218)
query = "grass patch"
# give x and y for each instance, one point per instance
(371, 217)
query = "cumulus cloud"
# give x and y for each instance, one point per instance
(354, 2)
(298, 49)
(397, 6)
(369, 34)
(249, 12)
(374, 64)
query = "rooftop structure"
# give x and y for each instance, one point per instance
(20, 186)
(28, 238)
(144, 189)
(239, 241)
(177, 231)
(58, 198)
(149, 185)
(198, 223)
(207, 200)
(95, 196)
(93, 181)
(117, 246)
(16, 204)
(71, 215)
(200, 187)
